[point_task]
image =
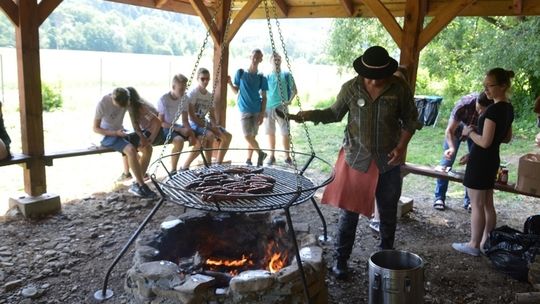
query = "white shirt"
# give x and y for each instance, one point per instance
(168, 106)
(202, 103)
(111, 115)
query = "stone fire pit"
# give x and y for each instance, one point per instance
(171, 266)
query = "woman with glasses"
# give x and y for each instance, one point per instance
(494, 127)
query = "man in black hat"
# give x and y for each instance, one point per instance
(382, 119)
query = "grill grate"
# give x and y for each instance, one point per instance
(285, 190)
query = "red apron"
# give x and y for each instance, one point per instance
(351, 189)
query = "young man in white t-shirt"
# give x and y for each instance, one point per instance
(201, 104)
(108, 122)
(170, 107)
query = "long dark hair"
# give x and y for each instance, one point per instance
(135, 104)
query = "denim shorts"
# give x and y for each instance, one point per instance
(118, 143)
(199, 131)
(249, 122)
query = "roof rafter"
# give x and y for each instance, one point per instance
(11, 9)
(387, 19)
(241, 17)
(348, 6)
(282, 7)
(518, 6)
(45, 8)
(160, 3)
(444, 16)
(204, 14)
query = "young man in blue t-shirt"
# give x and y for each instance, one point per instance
(251, 87)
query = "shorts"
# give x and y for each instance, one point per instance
(271, 119)
(249, 122)
(118, 143)
(199, 131)
(165, 132)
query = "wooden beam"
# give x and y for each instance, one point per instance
(172, 6)
(441, 20)
(413, 22)
(282, 7)
(518, 6)
(221, 62)
(348, 6)
(12, 10)
(160, 3)
(45, 8)
(386, 18)
(30, 99)
(206, 17)
(241, 17)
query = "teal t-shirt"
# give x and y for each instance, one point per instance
(249, 84)
(274, 96)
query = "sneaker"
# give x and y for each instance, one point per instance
(249, 163)
(147, 193)
(465, 248)
(271, 161)
(288, 161)
(261, 158)
(123, 177)
(374, 225)
(136, 190)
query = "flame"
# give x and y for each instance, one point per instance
(230, 263)
(276, 258)
(276, 263)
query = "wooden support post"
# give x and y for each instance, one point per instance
(221, 61)
(415, 12)
(30, 105)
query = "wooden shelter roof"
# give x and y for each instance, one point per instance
(354, 8)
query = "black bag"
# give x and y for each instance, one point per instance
(532, 225)
(511, 251)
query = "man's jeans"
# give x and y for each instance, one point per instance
(442, 184)
(387, 195)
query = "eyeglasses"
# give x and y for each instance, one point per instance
(487, 86)
(205, 78)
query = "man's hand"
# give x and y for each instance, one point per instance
(397, 156)
(449, 153)
(121, 133)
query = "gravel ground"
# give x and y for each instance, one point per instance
(63, 258)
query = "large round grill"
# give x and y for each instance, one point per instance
(289, 189)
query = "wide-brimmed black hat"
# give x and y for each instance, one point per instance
(375, 63)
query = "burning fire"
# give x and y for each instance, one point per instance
(277, 259)
(230, 263)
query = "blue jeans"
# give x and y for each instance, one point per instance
(387, 195)
(442, 184)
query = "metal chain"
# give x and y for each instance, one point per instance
(188, 84)
(280, 86)
(304, 125)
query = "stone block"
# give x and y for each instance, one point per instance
(288, 274)
(36, 206)
(252, 281)
(405, 205)
(195, 284)
(312, 255)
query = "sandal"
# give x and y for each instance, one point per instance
(439, 205)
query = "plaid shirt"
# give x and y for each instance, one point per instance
(465, 112)
(374, 126)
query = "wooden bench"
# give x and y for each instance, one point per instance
(455, 177)
(49, 157)
(15, 159)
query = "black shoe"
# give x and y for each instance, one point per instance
(136, 190)
(147, 193)
(340, 270)
(261, 158)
